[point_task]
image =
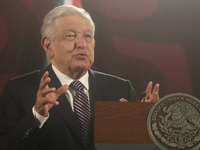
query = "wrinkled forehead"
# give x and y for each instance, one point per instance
(72, 20)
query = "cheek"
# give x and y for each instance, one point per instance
(91, 51)
(64, 49)
(92, 56)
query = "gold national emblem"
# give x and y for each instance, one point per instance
(174, 122)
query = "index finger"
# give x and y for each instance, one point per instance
(62, 89)
(149, 87)
(44, 76)
(44, 81)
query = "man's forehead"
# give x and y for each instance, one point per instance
(80, 30)
(72, 19)
(74, 23)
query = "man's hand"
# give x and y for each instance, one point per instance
(152, 96)
(123, 100)
(46, 96)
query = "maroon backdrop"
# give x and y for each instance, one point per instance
(145, 40)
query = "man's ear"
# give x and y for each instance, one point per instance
(46, 44)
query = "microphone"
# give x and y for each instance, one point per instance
(144, 94)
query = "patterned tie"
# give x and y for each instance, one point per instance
(82, 111)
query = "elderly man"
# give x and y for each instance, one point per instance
(54, 108)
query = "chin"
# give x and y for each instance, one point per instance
(81, 68)
(84, 65)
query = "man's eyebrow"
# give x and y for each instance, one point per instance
(74, 31)
(70, 30)
(89, 31)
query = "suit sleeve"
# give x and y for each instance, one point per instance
(18, 127)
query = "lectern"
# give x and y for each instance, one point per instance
(121, 122)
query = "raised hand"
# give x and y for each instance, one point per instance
(152, 96)
(46, 96)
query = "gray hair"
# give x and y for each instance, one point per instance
(61, 11)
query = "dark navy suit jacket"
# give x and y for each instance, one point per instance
(18, 128)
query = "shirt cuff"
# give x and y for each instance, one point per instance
(38, 118)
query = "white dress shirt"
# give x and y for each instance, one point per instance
(70, 93)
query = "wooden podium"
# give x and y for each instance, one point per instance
(121, 122)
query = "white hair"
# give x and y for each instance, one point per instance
(61, 11)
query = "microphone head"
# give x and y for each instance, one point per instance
(144, 94)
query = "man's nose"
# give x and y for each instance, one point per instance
(80, 42)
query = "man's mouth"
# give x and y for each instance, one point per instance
(81, 55)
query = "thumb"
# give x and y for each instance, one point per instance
(123, 100)
(62, 89)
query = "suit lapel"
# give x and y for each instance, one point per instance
(93, 90)
(95, 86)
(64, 108)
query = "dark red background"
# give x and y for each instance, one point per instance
(140, 40)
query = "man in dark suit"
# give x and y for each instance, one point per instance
(37, 110)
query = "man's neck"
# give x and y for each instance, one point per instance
(77, 74)
(65, 79)
(74, 74)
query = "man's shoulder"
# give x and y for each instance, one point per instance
(24, 82)
(102, 75)
(27, 78)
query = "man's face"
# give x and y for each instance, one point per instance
(72, 49)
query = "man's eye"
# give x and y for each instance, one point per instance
(88, 36)
(70, 37)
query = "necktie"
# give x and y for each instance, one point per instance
(82, 111)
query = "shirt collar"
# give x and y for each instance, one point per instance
(64, 79)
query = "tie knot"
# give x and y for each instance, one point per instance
(77, 85)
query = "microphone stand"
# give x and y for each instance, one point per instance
(144, 94)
